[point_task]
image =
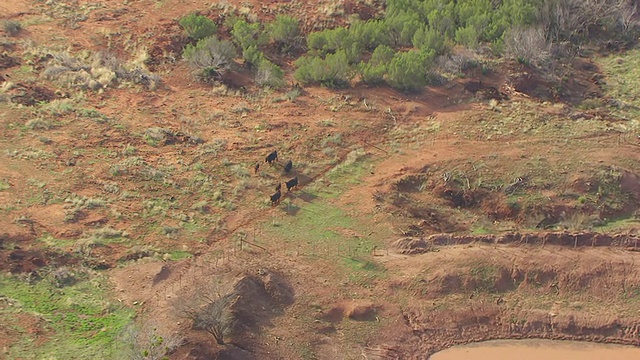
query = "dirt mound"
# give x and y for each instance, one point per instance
(459, 197)
(630, 183)
(628, 241)
(31, 95)
(359, 310)
(484, 90)
(259, 298)
(7, 61)
(441, 329)
(411, 245)
(15, 259)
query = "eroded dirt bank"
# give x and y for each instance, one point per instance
(478, 291)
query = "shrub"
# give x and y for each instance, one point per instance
(401, 26)
(269, 74)
(442, 19)
(197, 26)
(284, 31)
(467, 36)
(333, 71)
(370, 34)
(527, 45)
(334, 40)
(210, 56)
(408, 70)
(252, 55)
(11, 27)
(247, 35)
(426, 38)
(374, 71)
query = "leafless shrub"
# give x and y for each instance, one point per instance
(457, 62)
(572, 19)
(628, 16)
(150, 341)
(62, 277)
(209, 308)
(528, 45)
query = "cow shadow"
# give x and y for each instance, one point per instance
(290, 208)
(306, 196)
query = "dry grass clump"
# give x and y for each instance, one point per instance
(98, 71)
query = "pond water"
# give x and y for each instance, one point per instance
(538, 349)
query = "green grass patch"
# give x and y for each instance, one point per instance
(81, 321)
(4, 185)
(622, 73)
(179, 255)
(618, 224)
(52, 242)
(344, 175)
(485, 276)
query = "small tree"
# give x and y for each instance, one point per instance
(209, 309)
(210, 56)
(198, 27)
(284, 31)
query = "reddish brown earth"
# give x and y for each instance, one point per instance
(533, 283)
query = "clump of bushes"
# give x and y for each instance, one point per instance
(98, 71)
(333, 71)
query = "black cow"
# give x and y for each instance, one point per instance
(271, 157)
(256, 168)
(288, 166)
(279, 186)
(292, 183)
(275, 198)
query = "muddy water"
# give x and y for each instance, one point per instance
(538, 349)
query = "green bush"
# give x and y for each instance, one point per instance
(408, 70)
(252, 55)
(374, 71)
(370, 34)
(210, 56)
(467, 36)
(197, 26)
(269, 74)
(427, 38)
(442, 19)
(333, 71)
(401, 27)
(334, 40)
(247, 35)
(284, 31)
